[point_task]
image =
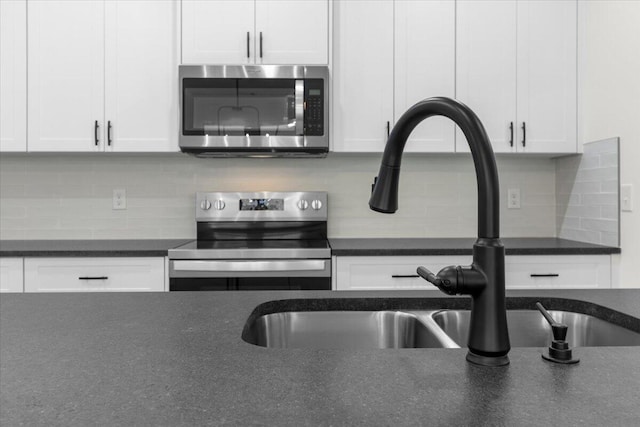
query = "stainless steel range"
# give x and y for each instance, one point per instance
(255, 241)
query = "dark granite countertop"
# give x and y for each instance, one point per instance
(462, 246)
(339, 246)
(178, 359)
(88, 248)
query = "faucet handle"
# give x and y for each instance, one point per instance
(448, 284)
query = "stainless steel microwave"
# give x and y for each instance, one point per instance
(254, 110)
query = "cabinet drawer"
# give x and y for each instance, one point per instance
(558, 271)
(11, 275)
(389, 272)
(94, 274)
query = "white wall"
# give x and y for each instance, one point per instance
(67, 196)
(611, 105)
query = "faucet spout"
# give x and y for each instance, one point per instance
(484, 279)
(385, 194)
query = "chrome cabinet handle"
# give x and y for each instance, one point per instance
(109, 133)
(524, 134)
(93, 278)
(403, 276)
(388, 128)
(96, 126)
(248, 50)
(545, 275)
(260, 44)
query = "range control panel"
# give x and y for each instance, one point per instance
(261, 206)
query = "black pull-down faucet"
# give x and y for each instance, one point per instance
(484, 278)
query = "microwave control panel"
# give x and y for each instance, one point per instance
(314, 107)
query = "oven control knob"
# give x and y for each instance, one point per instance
(316, 205)
(219, 204)
(303, 204)
(205, 205)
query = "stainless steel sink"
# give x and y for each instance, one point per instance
(527, 328)
(421, 329)
(347, 329)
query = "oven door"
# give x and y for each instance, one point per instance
(225, 275)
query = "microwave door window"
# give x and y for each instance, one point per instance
(238, 120)
(275, 101)
(203, 99)
(239, 107)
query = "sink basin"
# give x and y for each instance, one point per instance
(347, 329)
(527, 328)
(423, 323)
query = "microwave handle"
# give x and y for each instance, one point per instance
(299, 107)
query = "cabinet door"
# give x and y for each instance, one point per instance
(292, 32)
(486, 67)
(11, 275)
(66, 75)
(13, 75)
(216, 31)
(141, 75)
(558, 271)
(547, 79)
(362, 75)
(370, 273)
(135, 274)
(425, 67)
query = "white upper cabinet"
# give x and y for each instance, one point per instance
(292, 32)
(547, 77)
(218, 32)
(486, 67)
(425, 67)
(255, 32)
(103, 75)
(516, 68)
(13, 75)
(142, 49)
(362, 75)
(414, 38)
(66, 75)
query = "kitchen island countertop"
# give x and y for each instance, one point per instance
(178, 359)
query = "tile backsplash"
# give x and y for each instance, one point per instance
(69, 196)
(587, 194)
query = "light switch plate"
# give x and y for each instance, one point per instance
(626, 197)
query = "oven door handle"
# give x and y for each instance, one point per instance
(249, 266)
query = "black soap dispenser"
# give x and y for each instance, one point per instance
(558, 351)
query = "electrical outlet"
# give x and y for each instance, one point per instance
(119, 199)
(626, 198)
(513, 196)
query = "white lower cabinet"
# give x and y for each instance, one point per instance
(372, 273)
(366, 273)
(558, 271)
(11, 275)
(141, 274)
